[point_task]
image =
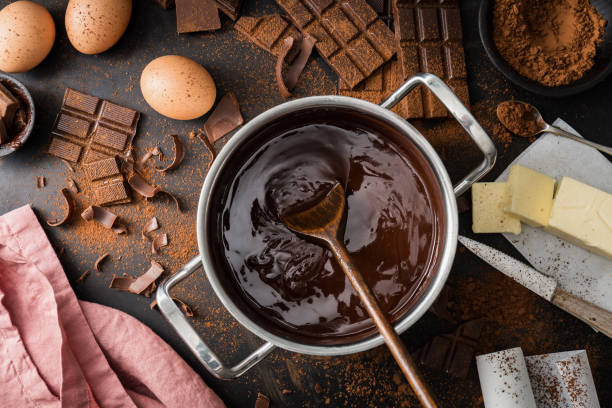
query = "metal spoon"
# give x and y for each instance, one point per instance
(324, 223)
(525, 120)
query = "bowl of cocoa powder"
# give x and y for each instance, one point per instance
(17, 114)
(553, 48)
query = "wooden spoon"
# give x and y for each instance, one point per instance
(323, 222)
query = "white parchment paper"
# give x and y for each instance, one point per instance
(578, 271)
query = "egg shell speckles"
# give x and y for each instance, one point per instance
(94, 26)
(178, 87)
(27, 34)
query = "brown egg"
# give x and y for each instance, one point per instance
(93, 26)
(178, 87)
(27, 34)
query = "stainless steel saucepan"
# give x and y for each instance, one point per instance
(448, 242)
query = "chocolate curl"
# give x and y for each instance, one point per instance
(225, 118)
(200, 135)
(141, 186)
(103, 217)
(185, 308)
(146, 279)
(288, 82)
(83, 276)
(40, 181)
(121, 283)
(150, 226)
(70, 205)
(98, 261)
(174, 198)
(72, 186)
(153, 152)
(159, 241)
(179, 153)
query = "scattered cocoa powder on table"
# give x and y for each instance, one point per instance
(552, 42)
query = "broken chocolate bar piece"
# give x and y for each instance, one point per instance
(225, 118)
(89, 129)
(8, 107)
(107, 182)
(350, 36)
(203, 15)
(269, 32)
(429, 39)
(452, 353)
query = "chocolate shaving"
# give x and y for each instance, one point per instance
(40, 181)
(179, 153)
(200, 135)
(121, 283)
(81, 278)
(185, 308)
(151, 226)
(72, 186)
(150, 290)
(288, 82)
(146, 279)
(103, 217)
(225, 118)
(71, 207)
(150, 153)
(174, 198)
(160, 241)
(98, 261)
(141, 186)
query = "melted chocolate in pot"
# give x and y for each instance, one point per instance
(393, 223)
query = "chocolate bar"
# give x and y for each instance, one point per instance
(8, 107)
(384, 9)
(350, 36)
(106, 181)
(380, 85)
(89, 129)
(269, 32)
(429, 39)
(203, 15)
(452, 353)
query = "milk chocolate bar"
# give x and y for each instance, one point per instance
(350, 36)
(452, 353)
(106, 181)
(89, 129)
(429, 39)
(269, 32)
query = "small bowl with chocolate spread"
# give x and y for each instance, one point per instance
(17, 114)
(400, 230)
(553, 48)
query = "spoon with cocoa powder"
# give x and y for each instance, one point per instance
(525, 120)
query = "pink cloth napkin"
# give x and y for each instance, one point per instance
(57, 351)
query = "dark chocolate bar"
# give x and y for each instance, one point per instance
(203, 15)
(269, 32)
(350, 36)
(452, 353)
(384, 9)
(89, 129)
(107, 182)
(429, 39)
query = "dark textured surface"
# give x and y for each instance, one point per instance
(363, 380)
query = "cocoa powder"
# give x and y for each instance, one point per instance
(553, 42)
(519, 118)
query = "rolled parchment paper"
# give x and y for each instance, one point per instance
(562, 380)
(504, 380)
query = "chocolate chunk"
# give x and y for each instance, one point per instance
(225, 118)
(160, 241)
(350, 36)
(452, 353)
(380, 85)
(8, 107)
(179, 153)
(99, 261)
(107, 182)
(70, 208)
(262, 401)
(429, 39)
(99, 128)
(269, 32)
(121, 283)
(287, 82)
(203, 15)
(166, 4)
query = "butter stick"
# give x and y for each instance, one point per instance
(530, 195)
(582, 215)
(488, 214)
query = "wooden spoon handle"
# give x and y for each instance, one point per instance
(592, 315)
(395, 344)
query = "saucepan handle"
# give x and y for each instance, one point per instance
(461, 114)
(179, 323)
